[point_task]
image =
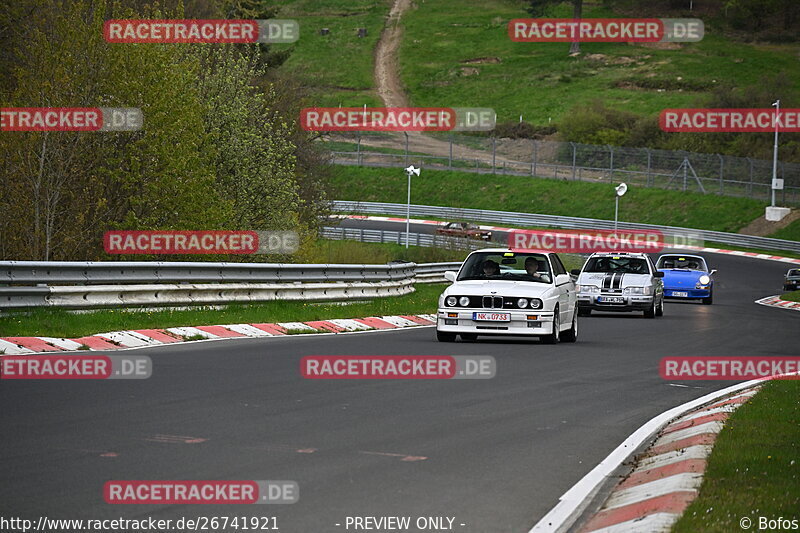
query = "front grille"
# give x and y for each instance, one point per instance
(492, 302)
(492, 327)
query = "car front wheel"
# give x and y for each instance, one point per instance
(571, 335)
(651, 313)
(709, 300)
(555, 336)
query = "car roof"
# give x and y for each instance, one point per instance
(639, 255)
(513, 250)
(682, 255)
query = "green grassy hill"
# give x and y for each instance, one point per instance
(458, 53)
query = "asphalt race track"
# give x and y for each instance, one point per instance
(494, 454)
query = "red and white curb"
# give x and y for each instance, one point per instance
(754, 255)
(775, 301)
(667, 476)
(114, 340)
(656, 493)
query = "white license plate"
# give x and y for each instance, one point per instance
(612, 299)
(492, 317)
(680, 294)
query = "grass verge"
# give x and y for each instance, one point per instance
(791, 296)
(546, 196)
(754, 470)
(60, 323)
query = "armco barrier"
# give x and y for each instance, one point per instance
(536, 220)
(87, 285)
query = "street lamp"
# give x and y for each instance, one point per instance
(621, 190)
(409, 171)
(777, 106)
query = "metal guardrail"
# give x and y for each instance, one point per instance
(425, 240)
(536, 220)
(87, 285)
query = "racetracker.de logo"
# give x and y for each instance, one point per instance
(397, 119)
(200, 242)
(729, 368)
(201, 31)
(70, 119)
(76, 367)
(605, 30)
(398, 367)
(587, 241)
(200, 492)
(729, 120)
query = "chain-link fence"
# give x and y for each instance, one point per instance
(686, 171)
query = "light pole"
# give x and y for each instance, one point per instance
(409, 171)
(777, 105)
(621, 189)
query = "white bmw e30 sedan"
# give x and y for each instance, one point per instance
(506, 292)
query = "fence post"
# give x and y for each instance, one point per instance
(574, 158)
(721, 173)
(533, 159)
(750, 185)
(611, 162)
(494, 152)
(649, 166)
(358, 150)
(450, 159)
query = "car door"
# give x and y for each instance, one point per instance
(565, 288)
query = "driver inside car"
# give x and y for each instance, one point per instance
(490, 268)
(532, 266)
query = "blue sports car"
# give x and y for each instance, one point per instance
(687, 277)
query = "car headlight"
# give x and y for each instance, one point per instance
(463, 301)
(522, 303)
(536, 303)
(451, 301)
(704, 280)
(637, 290)
(588, 289)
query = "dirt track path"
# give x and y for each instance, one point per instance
(390, 90)
(387, 73)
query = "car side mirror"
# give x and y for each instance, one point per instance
(562, 279)
(658, 274)
(712, 272)
(450, 275)
(575, 271)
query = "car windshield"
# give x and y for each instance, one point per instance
(682, 262)
(506, 266)
(617, 264)
(793, 272)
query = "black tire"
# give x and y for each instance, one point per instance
(651, 313)
(709, 300)
(660, 308)
(445, 337)
(469, 336)
(571, 335)
(586, 311)
(555, 336)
